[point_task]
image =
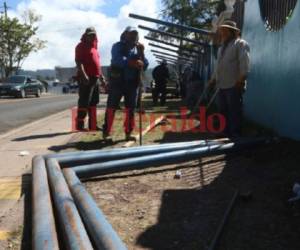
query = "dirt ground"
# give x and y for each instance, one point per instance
(150, 209)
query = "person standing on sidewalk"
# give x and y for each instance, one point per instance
(232, 68)
(160, 75)
(89, 72)
(127, 63)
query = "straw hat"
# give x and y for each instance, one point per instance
(230, 25)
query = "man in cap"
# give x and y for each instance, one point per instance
(127, 63)
(231, 70)
(160, 75)
(89, 71)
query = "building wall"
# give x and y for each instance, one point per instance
(273, 95)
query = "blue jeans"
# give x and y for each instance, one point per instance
(229, 102)
(118, 89)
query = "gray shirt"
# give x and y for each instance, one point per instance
(232, 63)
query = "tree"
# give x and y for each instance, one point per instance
(18, 39)
(197, 13)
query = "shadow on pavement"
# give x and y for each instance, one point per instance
(81, 145)
(35, 137)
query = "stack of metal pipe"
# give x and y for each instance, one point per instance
(65, 216)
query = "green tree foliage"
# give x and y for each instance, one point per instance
(197, 13)
(18, 39)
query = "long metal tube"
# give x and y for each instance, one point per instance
(173, 35)
(87, 171)
(172, 57)
(74, 233)
(102, 234)
(74, 158)
(178, 26)
(44, 235)
(170, 44)
(179, 56)
(171, 50)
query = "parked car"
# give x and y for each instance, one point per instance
(70, 88)
(21, 86)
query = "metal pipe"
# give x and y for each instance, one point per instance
(217, 236)
(173, 35)
(106, 155)
(164, 53)
(101, 232)
(161, 56)
(102, 152)
(87, 171)
(178, 26)
(44, 235)
(172, 50)
(173, 57)
(74, 233)
(171, 44)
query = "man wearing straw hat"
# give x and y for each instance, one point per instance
(231, 70)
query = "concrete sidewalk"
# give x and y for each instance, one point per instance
(15, 169)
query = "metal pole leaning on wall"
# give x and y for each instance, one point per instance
(178, 26)
(170, 44)
(87, 171)
(173, 35)
(103, 235)
(171, 50)
(44, 235)
(74, 233)
(164, 53)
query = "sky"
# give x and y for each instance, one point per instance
(64, 21)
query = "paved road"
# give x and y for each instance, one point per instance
(18, 112)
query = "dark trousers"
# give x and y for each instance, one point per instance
(116, 90)
(229, 103)
(87, 102)
(159, 91)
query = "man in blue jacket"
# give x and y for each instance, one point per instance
(127, 63)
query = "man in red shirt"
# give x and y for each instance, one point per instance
(89, 72)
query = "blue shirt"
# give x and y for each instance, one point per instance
(120, 58)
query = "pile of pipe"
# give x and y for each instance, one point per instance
(65, 216)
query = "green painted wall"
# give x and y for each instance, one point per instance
(273, 95)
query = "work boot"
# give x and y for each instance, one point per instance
(129, 137)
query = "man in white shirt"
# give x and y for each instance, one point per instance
(232, 68)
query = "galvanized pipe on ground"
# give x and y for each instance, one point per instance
(100, 230)
(44, 235)
(92, 170)
(74, 233)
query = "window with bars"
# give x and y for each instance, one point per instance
(276, 13)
